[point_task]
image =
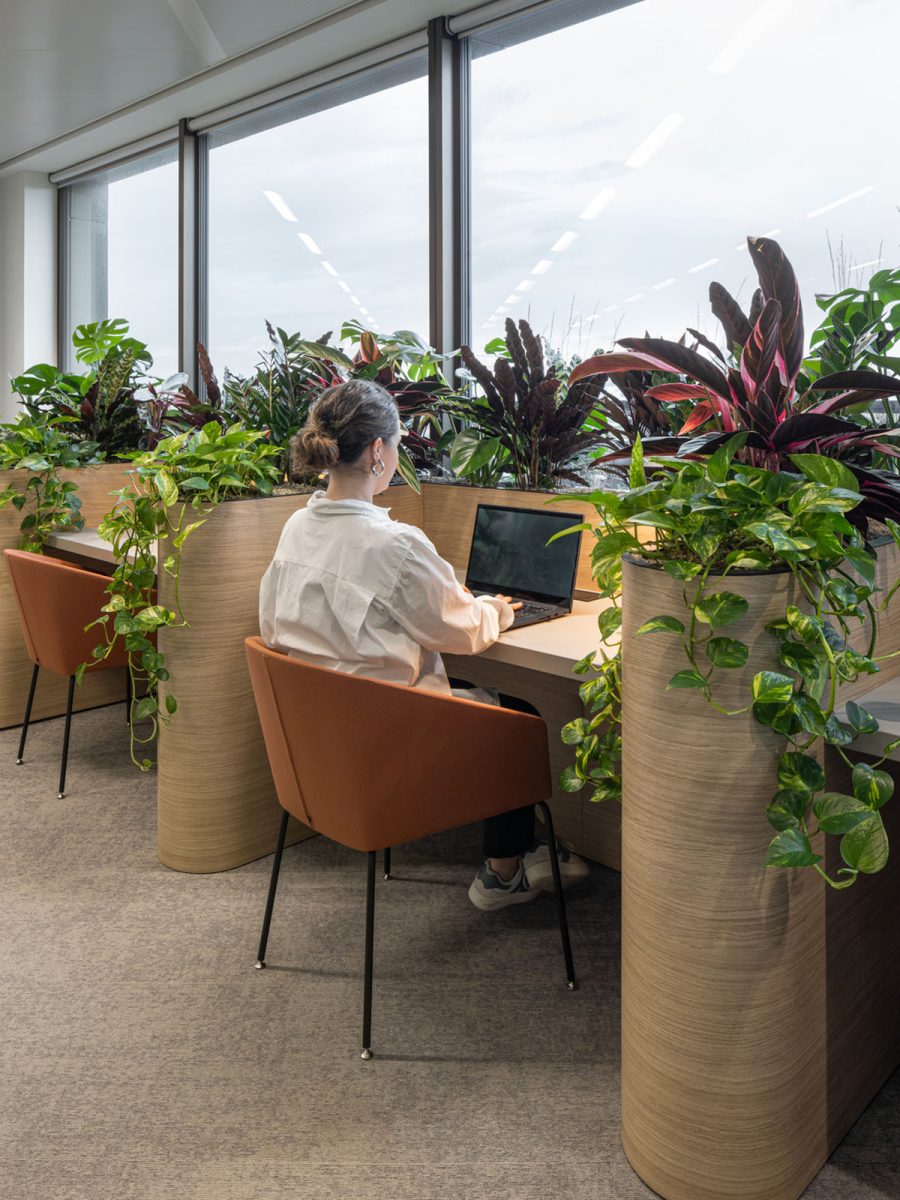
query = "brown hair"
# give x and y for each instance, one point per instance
(341, 423)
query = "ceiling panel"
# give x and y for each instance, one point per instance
(70, 64)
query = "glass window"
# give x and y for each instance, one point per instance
(619, 164)
(123, 253)
(318, 221)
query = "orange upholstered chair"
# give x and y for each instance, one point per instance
(55, 602)
(372, 764)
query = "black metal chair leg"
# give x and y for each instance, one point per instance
(20, 757)
(65, 751)
(370, 948)
(560, 897)
(387, 862)
(127, 695)
(273, 885)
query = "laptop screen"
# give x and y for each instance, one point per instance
(510, 554)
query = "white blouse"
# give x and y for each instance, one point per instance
(353, 590)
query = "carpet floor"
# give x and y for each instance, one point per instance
(143, 1058)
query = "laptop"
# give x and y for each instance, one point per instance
(510, 557)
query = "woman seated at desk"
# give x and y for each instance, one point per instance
(353, 590)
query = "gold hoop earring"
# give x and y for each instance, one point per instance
(375, 469)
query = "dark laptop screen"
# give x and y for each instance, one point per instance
(510, 553)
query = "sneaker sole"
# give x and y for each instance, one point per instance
(503, 900)
(543, 882)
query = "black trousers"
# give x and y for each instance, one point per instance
(511, 833)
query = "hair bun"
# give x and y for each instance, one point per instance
(313, 449)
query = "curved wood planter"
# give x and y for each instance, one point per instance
(731, 972)
(216, 801)
(95, 485)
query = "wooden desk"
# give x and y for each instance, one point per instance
(535, 664)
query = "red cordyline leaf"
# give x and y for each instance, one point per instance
(662, 355)
(778, 282)
(675, 393)
(702, 412)
(758, 355)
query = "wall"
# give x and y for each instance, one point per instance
(27, 277)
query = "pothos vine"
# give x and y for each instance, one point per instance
(707, 520)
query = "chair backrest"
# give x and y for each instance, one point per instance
(55, 602)
(373, 764)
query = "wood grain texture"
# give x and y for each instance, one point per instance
(94, 487)
(216, 802)
(863, 969)
(449, 514)
(724, 1089)
(556, 700)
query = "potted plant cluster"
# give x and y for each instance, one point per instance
(749, 613)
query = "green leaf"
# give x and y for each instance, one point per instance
(681, 570)
(571, 781)
(727, 652)
(860, 719)
(865, 847)
(771, 688)
(661, 624)
(800, 773)
(575, 732)
(780, 717)
(609, 621)
(791, 848)
(825, 470)
(863, 562)
(837, 813)
(637, 476)
(166, 487)
(686, 679)
(837, 734)
(720, 608)
(874, 788)
(810, 716)
(171, 703)
(787, 809)
(146, 707)
(807, 628)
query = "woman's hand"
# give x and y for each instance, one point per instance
(515, 605)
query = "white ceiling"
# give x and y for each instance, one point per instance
(79, 77)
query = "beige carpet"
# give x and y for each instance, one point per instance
(143, 1058)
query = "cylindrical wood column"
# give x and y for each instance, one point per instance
(724, 1089)
(216, 801)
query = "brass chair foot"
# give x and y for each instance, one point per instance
(366, 1054)
(572, 985)
(261, 965)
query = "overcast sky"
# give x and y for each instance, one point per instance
(617, 168)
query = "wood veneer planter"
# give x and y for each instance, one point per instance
(95, 485)
(737, 1013)
(216, 801)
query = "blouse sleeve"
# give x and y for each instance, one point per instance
(430, 604)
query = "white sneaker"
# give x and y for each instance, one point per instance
(539, 872)
(488, 891)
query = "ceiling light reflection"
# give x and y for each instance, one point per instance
(655, 140)
(279, 205)
(598, 204)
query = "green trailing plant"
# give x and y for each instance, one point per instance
(175, 487)
(526, 422)
(706, 519)
(42, 447)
